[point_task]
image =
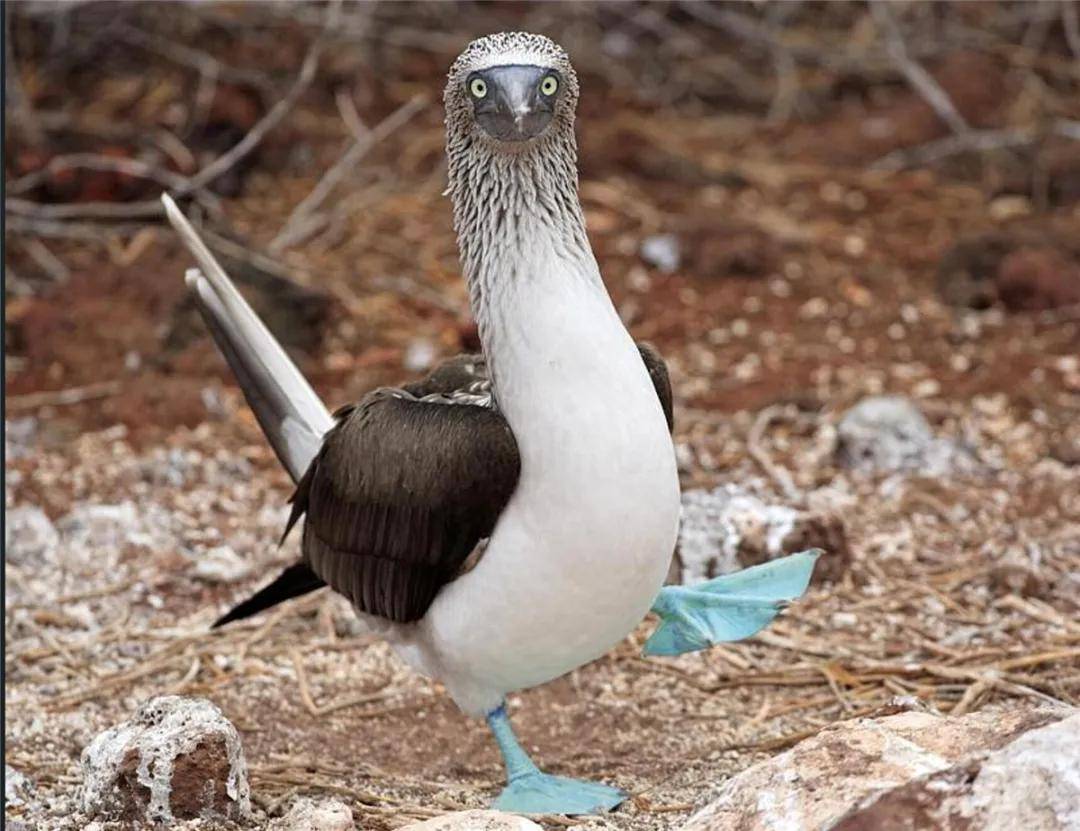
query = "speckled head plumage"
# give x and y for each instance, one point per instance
(504, 69)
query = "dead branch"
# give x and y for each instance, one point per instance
(65, 397)
(299, 219)
(268, 122)
(110, 164)
(757, 451)
(919, 79)
(966, 142)
(1070, 22)
(47, 261)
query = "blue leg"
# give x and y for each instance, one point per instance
(727, 608)
(530, 791)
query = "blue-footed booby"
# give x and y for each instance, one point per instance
(513, 515)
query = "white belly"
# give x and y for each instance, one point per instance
(583, 546)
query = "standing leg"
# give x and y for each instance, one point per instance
(530, 791)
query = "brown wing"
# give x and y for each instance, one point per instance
(399, 495)
(659, 374)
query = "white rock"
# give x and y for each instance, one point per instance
(420, 355)
(19, 434)
(727, 528)
(316, 815)
(29, 535)
(661, 251)
(885, 434)
(17, 787)
(100, 526)
(1033, 783)
(475, 820)
(177, 758)
(220, 565)
(874, 772)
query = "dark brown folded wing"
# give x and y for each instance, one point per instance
(401, 492)
(659, 374)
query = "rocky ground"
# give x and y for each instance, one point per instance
(784, 280)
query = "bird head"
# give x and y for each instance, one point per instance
(511, 89)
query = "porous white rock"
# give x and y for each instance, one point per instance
(475, 820)
(888, 434)
(316, 815)
(100, 526)
(177, 758)
(662, 251)
(727, 528)
(29, 535)
(17, 787)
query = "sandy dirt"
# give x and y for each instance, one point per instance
(804, 283)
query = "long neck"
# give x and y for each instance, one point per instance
(517, 217)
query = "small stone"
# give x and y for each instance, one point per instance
(100, 526)
(475, 820)
(316, 815)
(661, 251)
(420, 355)
(19, 434)
(1066, 450)
(886, 434)
(1004, 208)
(17, 787)
(221, 565)
(29, 535)
(177, 758)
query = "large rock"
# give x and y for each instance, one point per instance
(907, 770)
(888, 434)
(1022, 272)
(726, 529)
(178, 758)
(474, 821)
(1032, 784)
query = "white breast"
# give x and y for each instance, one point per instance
(584, 544)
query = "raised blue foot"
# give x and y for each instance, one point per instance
(727, 608)
(530, 791)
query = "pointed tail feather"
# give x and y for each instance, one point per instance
(290, 413)
(292, 582)
(728, 608)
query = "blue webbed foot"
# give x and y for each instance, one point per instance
(542, 793)
(727, 608)
(530, 791)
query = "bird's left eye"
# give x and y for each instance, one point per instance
(549, 85)
(478, 88)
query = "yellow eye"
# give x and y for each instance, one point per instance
(478, 88)
(549, 85)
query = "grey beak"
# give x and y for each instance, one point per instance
(514, 109)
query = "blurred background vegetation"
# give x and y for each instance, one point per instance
(811, 172)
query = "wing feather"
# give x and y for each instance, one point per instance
(400, 494)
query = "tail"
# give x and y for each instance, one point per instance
(287, 408)
(290, 413)
(730, 607)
